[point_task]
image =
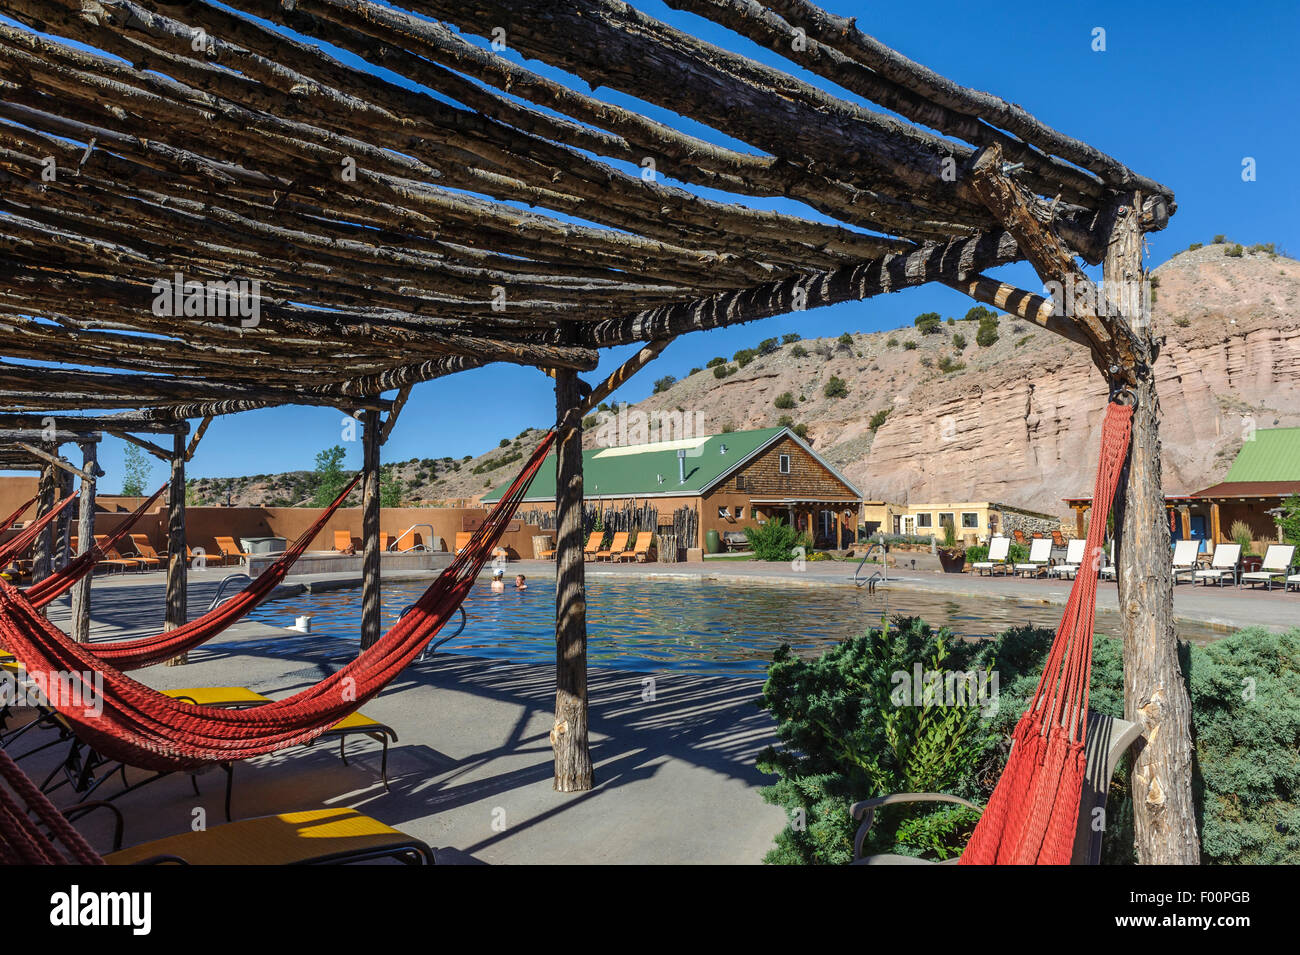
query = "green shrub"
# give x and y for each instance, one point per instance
(1233, 251)
(1194, 246)
(835, 388)
(1220, 239)
(1245, 692)
(801, 430)
(878, 419)
(789, 338)
(948, 364)
(784, 400)
(1289, 521)
(745, 356)
(715, 362)
(775, 540)
(664, 383)
(909, 345)
(959, 341)
(694, 371)
(951, 320)
(927, 322)
(979, 313)
(768, 345)
(798, 351)
(845, 340)
(891, 342)
(987, 333)
(720, 371)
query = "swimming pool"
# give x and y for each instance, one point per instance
(701, 626)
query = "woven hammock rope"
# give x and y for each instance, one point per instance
(1033, 813)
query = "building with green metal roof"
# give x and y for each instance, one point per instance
(731, 481)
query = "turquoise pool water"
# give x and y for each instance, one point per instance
(701, 626)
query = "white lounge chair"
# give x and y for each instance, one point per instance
(1185, 559)
(997, 557)
(1040, 555)
(1074, 551)
(1223, 564)
(1277, 561)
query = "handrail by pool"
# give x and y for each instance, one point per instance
(221, 588)
(414, 547)
(433, 645)
(880, 574)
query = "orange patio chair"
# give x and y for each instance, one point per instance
(112, 559)
(593, 545)
(343, 542)
(462, 540)
(641, 551)
(228, 549)
(144, 551)
(616, 547)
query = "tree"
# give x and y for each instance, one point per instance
(987, 333)
(845, 340)
(390, 487)
(135, 471)
(789, 338)
(979, 313)
(836, 388)
(664, 383)
(768, 345)
(1289, 521)
(330, 476)
(784, 400)
(927, 323)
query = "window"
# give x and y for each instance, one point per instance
(740, 482)
(970, 519)
(722, 511)
(923, 520)
(783, 464)
(740, 513)
(946, 517)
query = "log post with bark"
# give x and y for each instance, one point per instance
(569, 735)
(370, 584)
(177, 566)
(85, 540)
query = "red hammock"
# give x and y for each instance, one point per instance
(60, 582)
(23, 539)
(22, 841)
(1033, 813)
(146, 651)
(8, 521)
(144, 728)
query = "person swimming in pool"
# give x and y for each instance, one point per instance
(519, 582)
(498, 581)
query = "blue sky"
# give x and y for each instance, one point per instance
(1183, 92)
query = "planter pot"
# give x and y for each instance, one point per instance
(952, 561)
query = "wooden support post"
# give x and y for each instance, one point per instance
(85, 540)
(370, 530)
(569, 735)
(63, 526)
(43, 547)
(1155, 695)
(1079, 529)
(177, 566)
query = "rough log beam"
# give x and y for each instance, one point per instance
(157, 452)
(55, 460)
(391, 419)
(198, 436)
(1113, 344)
(622, 373)
(1032, 308)
(85, 427)
(928, 263)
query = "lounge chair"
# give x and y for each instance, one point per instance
(1074, 553)
(1040, 554)
(1223, 564)
(593, 545)
(112, 558)
(1108, 739)
(462, 541)
(1185, 559)
(1277, 561)
(640, 552)
(548, 553)
(228, 549)
(144, 551)
(997, 557)
(316, 836)
(385, 541)
(343, 542)
(616, 547)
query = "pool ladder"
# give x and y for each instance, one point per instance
(879, 574)
(433, 645)
(217, 599)
(394, 548)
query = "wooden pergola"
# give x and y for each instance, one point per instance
(421, 204)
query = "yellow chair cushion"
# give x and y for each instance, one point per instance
(274, 840)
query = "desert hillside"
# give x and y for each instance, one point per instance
(1016, 419)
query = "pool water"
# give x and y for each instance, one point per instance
(701, 626)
